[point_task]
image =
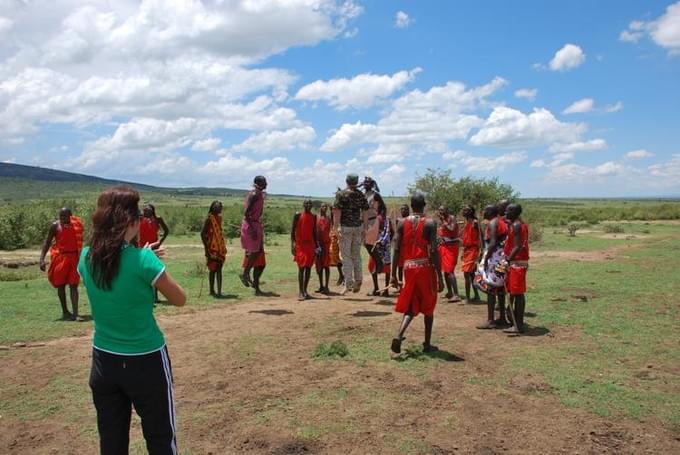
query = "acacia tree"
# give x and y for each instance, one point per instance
(441, 189)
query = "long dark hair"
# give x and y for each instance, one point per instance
(117, 208)
(382, 208)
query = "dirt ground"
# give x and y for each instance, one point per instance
(245, 382)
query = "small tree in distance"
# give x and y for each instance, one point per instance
(441, 189)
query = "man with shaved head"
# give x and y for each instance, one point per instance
(416, 243)
(64, 241)
(304, 246)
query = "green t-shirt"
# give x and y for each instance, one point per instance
(123, 317)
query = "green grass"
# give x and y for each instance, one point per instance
(628, 323)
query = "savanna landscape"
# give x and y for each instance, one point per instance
(596, 371)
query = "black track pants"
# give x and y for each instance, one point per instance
(119, 382)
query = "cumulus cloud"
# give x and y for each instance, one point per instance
(361, 91)
(206, 145)
(402, 20)
(664, 30)
(581, 106)
(572, 172)
(538, 163)
(507, 127)
(431, 118)
(666, 174)
(638, 154)
(527, 93)
(81, 64)
(567, 58)
(272, 141)
(579, 146)
(484, 164)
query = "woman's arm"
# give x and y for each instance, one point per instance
(171, 290)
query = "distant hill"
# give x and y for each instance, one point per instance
(19, 181)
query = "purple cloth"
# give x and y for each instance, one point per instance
(252, 232)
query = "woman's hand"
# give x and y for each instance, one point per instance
(156, 247)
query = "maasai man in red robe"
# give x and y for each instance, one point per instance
(258, 268)
(215, 249)
(67, 235)
(472, 242)
(516, 252)
(448, 251)
(323, 261)
(149, 226)
(416, 241)
(252, 231)
(304, 245)
(496, 233)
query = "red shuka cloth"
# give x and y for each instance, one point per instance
(419, 294)
(304, 240)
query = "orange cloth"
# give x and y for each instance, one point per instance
(334, 249)
(217, 250)
(305, 246)
(323, 234)
(448, 257)
(419, 294)
(261, 260)
(523, 253)
(516, 279)
(471, 245)
(64, 254)
(148, 231)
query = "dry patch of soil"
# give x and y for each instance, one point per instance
(246, 383)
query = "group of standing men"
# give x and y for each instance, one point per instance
(425, 252)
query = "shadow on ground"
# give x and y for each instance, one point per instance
(370, 314)
(272, 312)
(412, 353)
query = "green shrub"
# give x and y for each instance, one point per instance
(535, 233)
(612, 228)
(334, 350)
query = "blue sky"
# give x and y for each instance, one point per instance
(557, 98)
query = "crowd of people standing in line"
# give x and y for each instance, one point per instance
(122, 272)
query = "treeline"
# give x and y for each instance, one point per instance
(26, 225)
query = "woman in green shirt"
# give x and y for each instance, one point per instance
(130, 363)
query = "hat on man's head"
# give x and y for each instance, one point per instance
(352, 179)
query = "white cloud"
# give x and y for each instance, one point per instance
(635, 32)
(614, 107)
(388, 153)
(527, 93)
(5, 24)
(581, 106)
(82, 64)
(206, 145)
(402, 20)
(507, 127)
(361, 91)
(485, 164)
(638, 154)
(284, 140)
(428, 118)
(569, 57)
(609, 168)
(579, 146)
(664, 30)
(666, 174)
(538, 163)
